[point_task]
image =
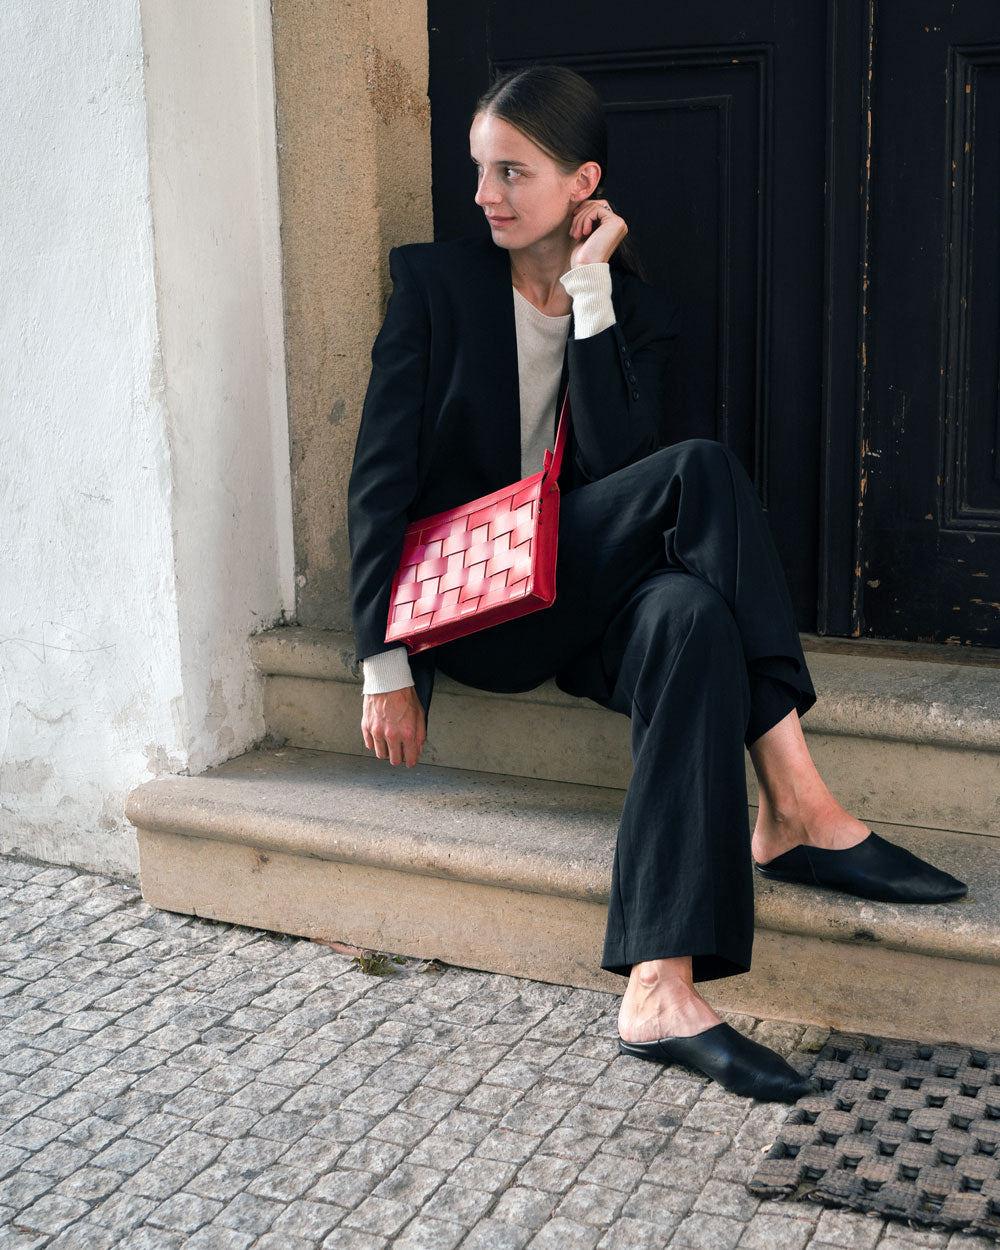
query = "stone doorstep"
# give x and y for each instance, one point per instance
(876, 692)
(899, 740)
(512, 875)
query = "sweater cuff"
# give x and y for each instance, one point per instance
(589, 287)
(387, 671)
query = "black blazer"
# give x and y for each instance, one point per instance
(441, 419)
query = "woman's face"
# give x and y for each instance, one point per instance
(525, 195)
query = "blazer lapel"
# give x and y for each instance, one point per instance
(498, 409)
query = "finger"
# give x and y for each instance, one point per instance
(412, 746)
(601, 216)
(380, 748)
(395, 752)
(600, 246)
(366, 733)
(583, 212)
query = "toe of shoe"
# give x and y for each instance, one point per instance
(774, 1087)
(799, 1089)
(936, 887)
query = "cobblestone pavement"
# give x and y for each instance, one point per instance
(169, 1082)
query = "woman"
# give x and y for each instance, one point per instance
(671, 604)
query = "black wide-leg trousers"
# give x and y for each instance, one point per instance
(671, 607)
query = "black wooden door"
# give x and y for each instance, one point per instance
(930, 529)
(717, 128)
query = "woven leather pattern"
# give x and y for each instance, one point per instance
(483, 563)
(469, 561)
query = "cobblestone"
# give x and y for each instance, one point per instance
(309, 1220)
(526, 1207)
(708, 1232)
(184, 1213)
(171, 1082)
(90, 1183)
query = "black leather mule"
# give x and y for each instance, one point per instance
(736, 1063)
(874, 869)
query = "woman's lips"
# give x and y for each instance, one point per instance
(500, 221)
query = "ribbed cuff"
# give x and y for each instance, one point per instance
(589, 287)
(387, 671)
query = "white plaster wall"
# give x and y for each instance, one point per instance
(213, 180)
(89, 656)
(145, 527)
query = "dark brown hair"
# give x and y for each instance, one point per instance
(563, 114)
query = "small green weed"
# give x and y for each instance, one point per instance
(377, 963)
(382, 964)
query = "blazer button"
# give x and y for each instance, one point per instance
(635, 394)
(632, 378)
(622, 348)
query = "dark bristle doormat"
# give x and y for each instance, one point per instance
(907, 1130)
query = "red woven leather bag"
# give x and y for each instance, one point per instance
(482, 563)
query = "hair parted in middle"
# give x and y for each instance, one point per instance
(557, 109)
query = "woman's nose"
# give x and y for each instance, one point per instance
(486, 192)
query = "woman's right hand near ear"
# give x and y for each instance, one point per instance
(393, 726)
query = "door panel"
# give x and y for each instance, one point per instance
(931, 481)
(692, 126)
(717, 162)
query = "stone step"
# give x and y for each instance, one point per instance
(512, 875)
(908, 735)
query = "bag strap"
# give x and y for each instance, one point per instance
(554, 459)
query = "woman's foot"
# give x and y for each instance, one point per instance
(803, 834)
(663, 1018)
(826, 826)
(796, 808)
(821, 824)
(661, 1001)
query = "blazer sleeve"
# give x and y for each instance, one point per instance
(384, 479)
(617, 383)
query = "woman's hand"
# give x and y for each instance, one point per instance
(599, 230)
(393, 726)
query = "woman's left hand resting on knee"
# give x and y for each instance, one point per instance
(393, 726)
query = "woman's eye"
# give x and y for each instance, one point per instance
(510, 172)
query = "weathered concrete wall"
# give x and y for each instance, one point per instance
(90, 687)
(213, 182)
(147, 518)
(354, 163)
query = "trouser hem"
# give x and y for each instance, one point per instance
(707, 964)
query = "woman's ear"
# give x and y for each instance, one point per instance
(587, 180)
